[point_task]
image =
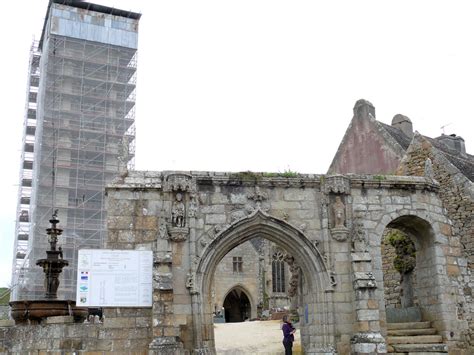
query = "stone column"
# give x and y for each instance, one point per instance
(367, 338)
(164, 334)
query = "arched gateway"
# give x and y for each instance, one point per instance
(313, 299)
(329, 231)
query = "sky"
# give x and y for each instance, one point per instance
(262, 85)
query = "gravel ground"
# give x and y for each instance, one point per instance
(257, 337)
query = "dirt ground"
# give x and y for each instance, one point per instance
(257, 337)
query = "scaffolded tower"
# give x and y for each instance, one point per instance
(79, 133)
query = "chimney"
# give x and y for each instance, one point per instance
(364, 109)
(454, 142)
(404, 124)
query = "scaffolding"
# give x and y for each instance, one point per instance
(84, 136)
(22, 225)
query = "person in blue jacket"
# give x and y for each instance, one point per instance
(288, 335)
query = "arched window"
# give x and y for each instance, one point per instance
(278, 272)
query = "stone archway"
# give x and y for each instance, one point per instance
(237, 305)
(315, 303)
(432, 289)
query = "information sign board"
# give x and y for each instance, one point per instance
(114, 278)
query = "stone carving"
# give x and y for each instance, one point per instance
(332, 278)
(193, 206)
(295, 275)
(359, 237)
(178, 212)
(339, 210)
(337, 184)
(258, 196)
(236, 215)
(339, 231)
(163, 231)
(203, 241)
(364, 280)
(162, 259)
(178, 234)
(190, 283)
(164, 281)
(179, 182)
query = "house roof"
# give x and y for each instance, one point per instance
(463, 162)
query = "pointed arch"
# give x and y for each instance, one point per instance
(316, 306)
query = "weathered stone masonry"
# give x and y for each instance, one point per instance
(337, 248)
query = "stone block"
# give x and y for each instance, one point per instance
(364, 348)
(453, 270)
(297, 195)
(120, 222)
(213, 209)
(119, 322)
(366, 315)
(146, 222)
(170, 332)
(215, 219)
(7, 323)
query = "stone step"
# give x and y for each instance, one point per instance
(416, 353)
(402, 332)
(420, 348)
(408, 325)
(417, 339)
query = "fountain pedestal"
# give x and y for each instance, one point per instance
(34, 311)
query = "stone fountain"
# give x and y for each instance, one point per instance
(34, 311)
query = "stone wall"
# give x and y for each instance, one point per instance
(457, 195)
(331, 228)
(225, 278)
(391, 277)
(123, 330)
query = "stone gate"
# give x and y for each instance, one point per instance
(331, 227)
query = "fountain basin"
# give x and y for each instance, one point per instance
(34, 311)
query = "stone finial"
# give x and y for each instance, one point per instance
(404, 124)
(429, 169)
(364, 109)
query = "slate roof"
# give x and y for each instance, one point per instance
(464, 163)
(397, 134)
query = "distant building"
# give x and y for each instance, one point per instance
(78, 133)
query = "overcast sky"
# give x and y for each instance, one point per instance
(263, 85)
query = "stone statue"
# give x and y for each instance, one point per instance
(163, 231)
(178, 212)
(339, 213)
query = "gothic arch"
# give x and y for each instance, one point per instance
(315, 302)
(241, 288)
(244, 290)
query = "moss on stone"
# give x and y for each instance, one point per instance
(405, 261)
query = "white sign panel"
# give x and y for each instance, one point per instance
(114, 278)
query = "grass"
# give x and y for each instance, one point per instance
(5, 296)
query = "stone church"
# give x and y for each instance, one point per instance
(371, 261)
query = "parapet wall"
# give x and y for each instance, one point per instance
(122, 330)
